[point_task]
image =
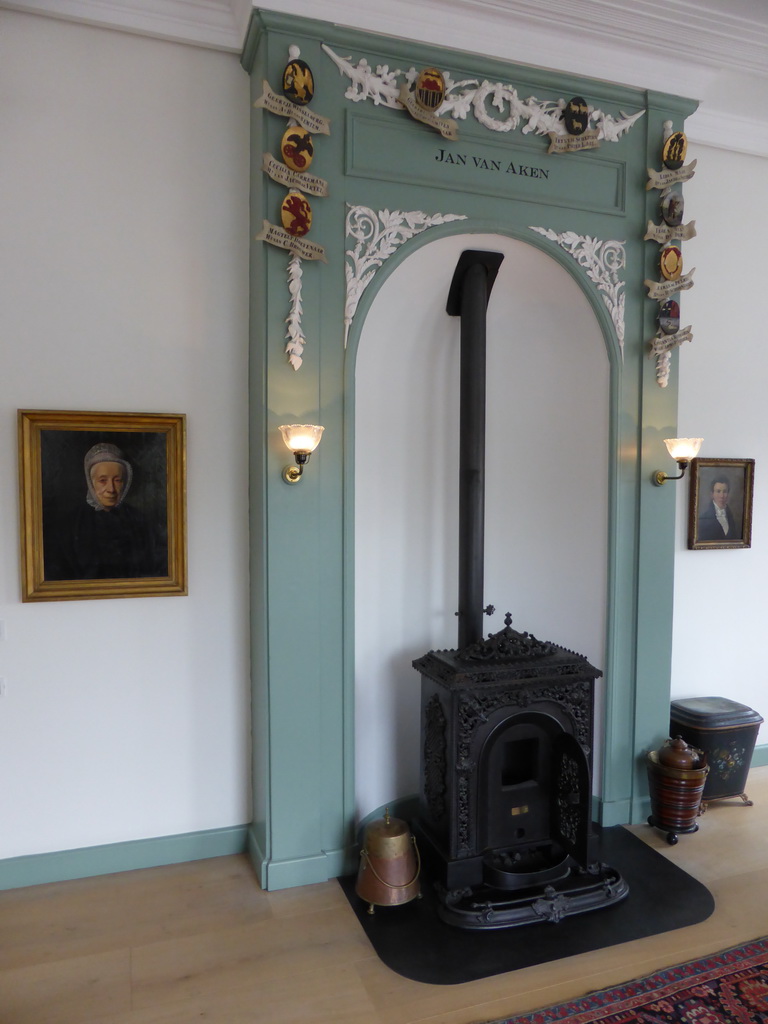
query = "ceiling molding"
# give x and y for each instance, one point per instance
(700, 31)
(728, 131)
(210, 23)
(735, 37)
(703, 49)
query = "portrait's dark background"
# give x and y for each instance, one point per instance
(64, 485)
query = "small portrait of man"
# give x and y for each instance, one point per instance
(716, 520)
(103, 509)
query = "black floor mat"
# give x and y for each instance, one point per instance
(412, 940)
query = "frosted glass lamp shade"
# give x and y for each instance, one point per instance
(683, 448)
(301, 437)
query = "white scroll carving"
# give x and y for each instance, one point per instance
(663, 366)
(377, 237)
(495, 105)
(602, 262)
(296, 341)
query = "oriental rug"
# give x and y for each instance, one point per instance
(413, 941)
(727, 988)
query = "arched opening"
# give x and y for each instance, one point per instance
(547, 483)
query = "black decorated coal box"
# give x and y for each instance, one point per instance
(726, 732)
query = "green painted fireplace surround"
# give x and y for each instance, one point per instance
(302, 538)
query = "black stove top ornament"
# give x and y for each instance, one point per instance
(506, 646)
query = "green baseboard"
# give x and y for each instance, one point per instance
(611, 812)
(288, 874)
(64, 865)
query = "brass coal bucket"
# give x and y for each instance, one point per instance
(389, 864)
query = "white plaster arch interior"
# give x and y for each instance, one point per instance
(546, 489)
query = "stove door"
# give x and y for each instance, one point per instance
(515, 769)
(571, 798)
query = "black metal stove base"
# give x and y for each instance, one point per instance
(483, 908)
(413, 941)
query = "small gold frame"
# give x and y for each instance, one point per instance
(52, 446)
(703, 532)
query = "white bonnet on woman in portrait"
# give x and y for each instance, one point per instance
(104, 452)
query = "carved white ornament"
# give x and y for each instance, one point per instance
(378, 236)
(296, 341)
(382, 86)
(663, 364)
(602, 262)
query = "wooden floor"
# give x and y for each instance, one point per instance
(201, 942)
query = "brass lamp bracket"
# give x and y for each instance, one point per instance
(660, 477)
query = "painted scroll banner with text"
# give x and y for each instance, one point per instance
(275, 235)
(662, 290)
(668, 342)
(283, 175)
(573, 143)
(665, 233)
(667, 177)
(283, 107)
(445, 125)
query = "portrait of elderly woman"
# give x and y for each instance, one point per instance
(103, 504)
(104, 536)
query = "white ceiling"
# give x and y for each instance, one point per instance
(715, 51)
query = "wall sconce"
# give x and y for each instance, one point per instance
(301, 439)
(682, 449)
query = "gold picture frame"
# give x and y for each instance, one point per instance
(727, 483)
(86, 538)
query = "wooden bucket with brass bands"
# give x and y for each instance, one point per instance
(676, 777)
(390, 864)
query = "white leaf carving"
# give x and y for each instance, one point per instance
(602, 263)
(377, 237)
(663, 364)
(480, 99)
(380, 85)
(296, 341)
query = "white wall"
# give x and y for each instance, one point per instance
(123, 262)
(124, 270)
(720, 596)
(546, 507)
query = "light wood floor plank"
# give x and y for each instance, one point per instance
(114, 911)
(318, 997)
(201, 942)
(66, 991)
(272, 952)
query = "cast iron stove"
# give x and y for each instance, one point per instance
(506, 764)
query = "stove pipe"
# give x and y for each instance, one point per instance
(468, 297)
